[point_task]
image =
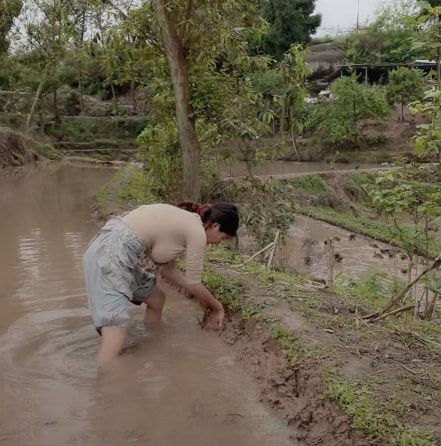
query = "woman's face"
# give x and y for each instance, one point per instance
(214, 235)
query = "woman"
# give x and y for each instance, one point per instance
(162, 232)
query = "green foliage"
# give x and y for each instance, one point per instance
(428, 40)
(427, 37)
(260, 198)
(387, 38)
(313, 184)
(135, 191)
(405, 85)
(161, 157)
(266, 82)
(290, 342)
(368, 414)
(339, 120)
(291, 22)
(403, 191)
(9, 10)
(89, 129)
(228, 292)
(428, 136)
(223, 103)
(282, 93)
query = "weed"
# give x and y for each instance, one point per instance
(377, 421)
(290, 343)
(313, 184)
(229, 292)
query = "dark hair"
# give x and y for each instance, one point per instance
(226, 214)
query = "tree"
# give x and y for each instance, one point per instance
(405, 85)
(387, 38)
(293, 93)
(291, 21)
(46, 29)
(408, 190)
(174, 50)
(340, 119)
(9, 10)
(428, 39)
(205, 45)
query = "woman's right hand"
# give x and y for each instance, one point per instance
(214, 319)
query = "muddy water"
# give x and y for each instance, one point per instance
(357, 255)
(281, 169)
(178, 386)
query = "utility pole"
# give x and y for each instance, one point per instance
(358, 16)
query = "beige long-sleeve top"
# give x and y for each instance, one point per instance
(169, 231)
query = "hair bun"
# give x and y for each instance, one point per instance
(190, 206)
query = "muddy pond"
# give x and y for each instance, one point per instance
(180, 386)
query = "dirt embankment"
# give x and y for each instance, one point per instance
(335, 379)
(15, 150)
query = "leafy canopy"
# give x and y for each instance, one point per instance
(291, 22)
(387, 38)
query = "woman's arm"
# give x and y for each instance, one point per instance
(172, 274)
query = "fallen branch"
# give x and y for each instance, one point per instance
(273, 250)
(391, 313)
(436, 264)
(257, 254)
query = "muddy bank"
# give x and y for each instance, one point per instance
(334, 378)
(14, 150)
(18, 149)
(296, 394)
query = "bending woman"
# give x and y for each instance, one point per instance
(162, 232)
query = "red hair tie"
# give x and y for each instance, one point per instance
(198, 209)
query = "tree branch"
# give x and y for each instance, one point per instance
(375, 316)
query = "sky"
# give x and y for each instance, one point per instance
(341, 15)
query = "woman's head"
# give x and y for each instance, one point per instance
(220, 220)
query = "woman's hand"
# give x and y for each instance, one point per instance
(213, 319)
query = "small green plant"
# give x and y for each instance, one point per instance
(229, 292)
(290, 343)
(368, 414)
(371, 288)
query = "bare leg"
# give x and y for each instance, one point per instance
(155, 304)
(113, 340)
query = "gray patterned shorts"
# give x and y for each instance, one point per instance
(113, 275)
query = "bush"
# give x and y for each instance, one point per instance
(340, 120)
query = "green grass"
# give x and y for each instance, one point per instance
(87, 129)
(313, 184)
(376, 419)
(228, 292)
(347, 220)
(135, 190)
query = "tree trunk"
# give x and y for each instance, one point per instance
(133, 94)
(186, 123)
(36, 98)
(57, 118)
